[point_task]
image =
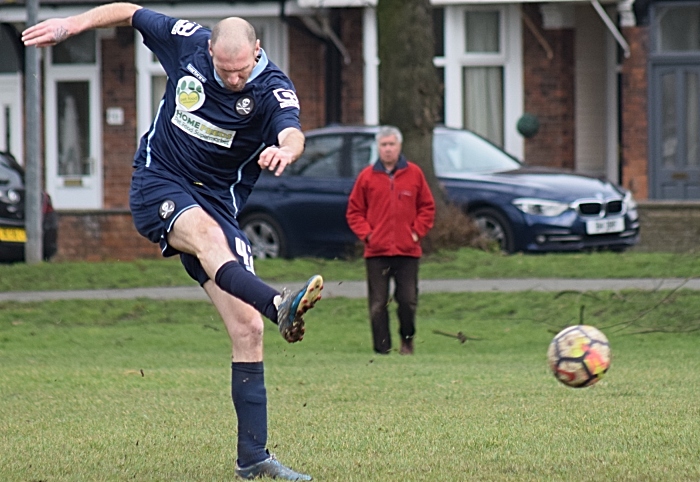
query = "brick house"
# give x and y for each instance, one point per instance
(615, 89)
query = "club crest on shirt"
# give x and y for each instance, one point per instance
(166, 209)
(244, 105)
(189, 95)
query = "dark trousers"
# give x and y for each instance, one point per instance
(404, 271)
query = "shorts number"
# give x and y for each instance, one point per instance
(244, 252)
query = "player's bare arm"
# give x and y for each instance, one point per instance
(56, 30)
(277, 158)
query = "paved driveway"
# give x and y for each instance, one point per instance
(358, 289)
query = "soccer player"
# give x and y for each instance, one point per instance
(227, 113)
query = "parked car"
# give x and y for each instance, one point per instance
(13, 235)
(529, 209)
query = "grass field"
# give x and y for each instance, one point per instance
(465, 263)
(139, 390)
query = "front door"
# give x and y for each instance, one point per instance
(674, 103)
(675, 143)
(73, 124)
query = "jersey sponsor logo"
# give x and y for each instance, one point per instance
(196, 73)
(244, 105)
(189, 94)
(166, 209)
(184, 28)
(202, 129)
(286, 98)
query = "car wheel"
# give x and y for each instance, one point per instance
(265, 235)
(495, 226)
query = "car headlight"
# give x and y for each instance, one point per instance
(10, 196)
(630, 202)
(540, 207)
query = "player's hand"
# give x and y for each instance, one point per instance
(48, 33)
(275, 159)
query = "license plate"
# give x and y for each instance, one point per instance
(603, 226)
(13, 235)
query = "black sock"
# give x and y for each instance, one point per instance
(250, 401)
(241, 283)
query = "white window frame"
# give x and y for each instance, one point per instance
(509, 58)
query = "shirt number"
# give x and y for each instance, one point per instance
(184, 28)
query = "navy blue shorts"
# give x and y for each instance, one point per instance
(157, 201)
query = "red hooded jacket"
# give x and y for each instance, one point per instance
(390, 207)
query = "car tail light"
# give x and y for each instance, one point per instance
(46, 205)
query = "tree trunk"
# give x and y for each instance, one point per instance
(409, 98)
(409, 91)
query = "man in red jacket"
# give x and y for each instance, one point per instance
(390, 209)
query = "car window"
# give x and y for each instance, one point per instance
(458, 152)
(321, 158)
(9, 169)
(363, 153)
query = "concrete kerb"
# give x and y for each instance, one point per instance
(358, 289)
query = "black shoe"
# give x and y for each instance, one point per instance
(406, 346)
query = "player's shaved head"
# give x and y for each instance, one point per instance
(233, 33)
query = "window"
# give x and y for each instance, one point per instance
(483, 102)
(482, 32)
(482, 71)
(363, 153)
(73, 107)
(76, 50)
(483, 84)
(678, 29)
(322, 158)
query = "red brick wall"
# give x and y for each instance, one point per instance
(307, 69)
(353, 73)
(100, 236)
(119, 142)
(635, 122)
(549, 94)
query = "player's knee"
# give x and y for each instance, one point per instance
(251, 328)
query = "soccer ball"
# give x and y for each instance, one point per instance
(579, 356)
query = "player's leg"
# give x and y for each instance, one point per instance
(245, 328)
(195, 232)
(378, 297)
(405, 271)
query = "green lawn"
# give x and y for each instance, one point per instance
(139, 390)
(465, 263)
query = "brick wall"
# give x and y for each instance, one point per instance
(669, 226)
(307, 69)
(635, 124)
(666, 226)
(101, 235)
(353, 73)
(549, 93)
(119, 142)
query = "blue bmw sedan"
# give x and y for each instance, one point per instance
(524, 209)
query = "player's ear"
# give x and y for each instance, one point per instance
(257, 48)
(210, 52)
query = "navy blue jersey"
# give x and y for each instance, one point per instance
(203, 132)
